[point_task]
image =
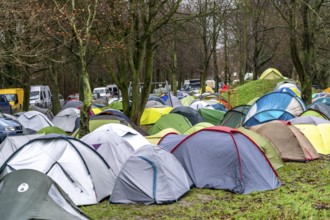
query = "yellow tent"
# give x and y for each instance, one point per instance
(327, 90)
(271, 73)
(318, 135)
(154, 139)
(152, 115)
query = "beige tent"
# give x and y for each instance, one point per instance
(271, 73)
(288, 140)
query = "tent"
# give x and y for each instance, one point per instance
(151, 175)
(289, 87)
(12, 143)
(321, 107)
(152, 115)
(223, 158)
(30, 194)
(211, 115)
(271, 73)
(51, 130)
(316, 130)
(186, 101)
(154, 139)
(274, 106)
(266, 146)
(113, 148)
(191, 114)
(116, 114)
(134, 138)
(197, 104)
(314, 112)
(154, 104)
(33, 121)
(45, 111)
(235, 116)
(173, 101)
(171, 120)
(291, 144)
(67, 119)
(198, 127)
(76, 167)
(73, 104)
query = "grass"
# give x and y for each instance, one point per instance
(251, 90)
(304, 194)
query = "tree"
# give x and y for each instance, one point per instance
(134, 25)
(75, 32)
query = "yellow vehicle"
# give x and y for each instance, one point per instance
(15, 97)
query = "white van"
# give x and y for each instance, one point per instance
(115, 92)
(41, 96)
(101, 92)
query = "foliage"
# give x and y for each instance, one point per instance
(304, 194)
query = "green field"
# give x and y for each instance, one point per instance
(304, 194)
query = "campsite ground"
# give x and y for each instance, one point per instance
(304, 194)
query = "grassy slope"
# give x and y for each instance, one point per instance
(304, 194)
(251, 90)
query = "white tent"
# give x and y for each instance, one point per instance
(78, 169)
(113, 148)
(66, 119)
(200, 104)
(134, 138)
(12, 143)
(33, 121)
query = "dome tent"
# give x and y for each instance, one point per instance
(30, 194)
(76, 167)
(288, 140)
(151, 175)
(235, 163)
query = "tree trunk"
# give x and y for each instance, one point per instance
(85, 95)
(55, 90)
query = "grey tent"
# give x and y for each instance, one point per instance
(111, 146)
(191, 114)
(151, 175)
(223, 158)
(30, 194)
(33, 121)
(67, 119)
(75, 166)
(12, 143)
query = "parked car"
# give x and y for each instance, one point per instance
(9, 127)
(5, 105)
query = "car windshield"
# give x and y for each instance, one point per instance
(11, 97)
(34, 95)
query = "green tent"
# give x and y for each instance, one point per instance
(51, 130)
(314, 112)
(198, 127)
(266, 146)
(154, 139)
(211, 115)
(93, 124)
(30, 194)
(171, 120)
(186, 101)
(271, 73)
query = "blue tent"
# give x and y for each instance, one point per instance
(274, 106)
(223, 158)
